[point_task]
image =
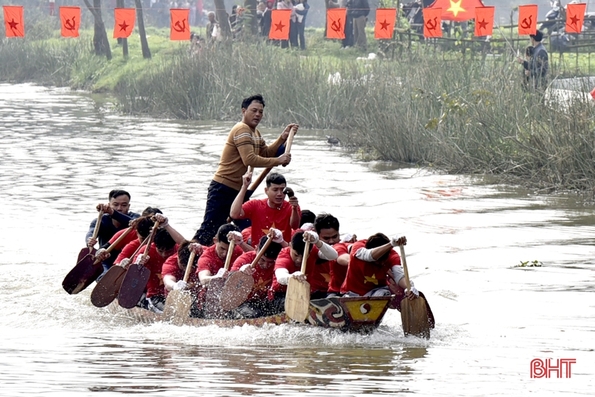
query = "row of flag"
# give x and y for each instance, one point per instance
(70, 18)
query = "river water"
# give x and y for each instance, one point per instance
(60, 154)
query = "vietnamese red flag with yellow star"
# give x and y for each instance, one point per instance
(279, 25)
(575, 17)
(14, 21)
(70, 19)
(335, 23)
(484, 21)
(124, 22)
(179, 28)
(457, 10)
(385, 23)
(527, 19)
(432, 22)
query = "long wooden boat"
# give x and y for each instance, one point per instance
(356, 314)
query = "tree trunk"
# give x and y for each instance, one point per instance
(223, 19)
(100, 41)
(123, 41)
(141, 30)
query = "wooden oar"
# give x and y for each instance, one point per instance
(74, 281)
(238, 286)
(136, 278)
(212, 304)
(266, 171)
(414, 314)
(178, 302)
(108, 287)
(297, 299)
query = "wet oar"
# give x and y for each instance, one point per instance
(136, 278)
(76, 280)
(178, 302)
(414, 314)
(297, 299)
(238, 286)
(266, 171)
(212, 305)
(108, 287)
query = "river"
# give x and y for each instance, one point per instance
(61, 152)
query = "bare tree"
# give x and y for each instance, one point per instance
(141, 30)
(100, 41)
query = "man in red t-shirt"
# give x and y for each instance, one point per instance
(257, 304)
(289, 263)
(211, 262)
(271, 212)
(369, 262)
(174, 268)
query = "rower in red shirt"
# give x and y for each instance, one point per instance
(270, 212)
(369, 262)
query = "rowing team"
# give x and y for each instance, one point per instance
(270, 252)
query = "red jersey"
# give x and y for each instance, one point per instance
(263, 278)
(362, 276)
(338, 272)
(154, 264)
(263, 217)
(170, 266)
(211, 262)
(130, 237)
(127, 251)
(247, 236)
(317, 274)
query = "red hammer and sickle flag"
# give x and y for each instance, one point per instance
(528, 19)
(432, 22)
(13, 21)
(124, 22)
(335, 23)
(179, 28)
(575, 16)
(70, 19)
(279, 25)
(484, 21)
(385, 23)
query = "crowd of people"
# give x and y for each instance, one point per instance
(236, 227)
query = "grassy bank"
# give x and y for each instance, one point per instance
(426, 107)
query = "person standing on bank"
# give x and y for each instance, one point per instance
(244, 147)
(538, 65)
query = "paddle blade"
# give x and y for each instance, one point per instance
(212, 306)
(108, 287)
(297, 300)
(177, 306)
(83, 273)
(133, 286)
(414, 316)
(236, 290)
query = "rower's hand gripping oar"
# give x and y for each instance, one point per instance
(212, 304)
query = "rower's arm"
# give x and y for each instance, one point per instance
(169, 281)
(373, 254)
(236, 211)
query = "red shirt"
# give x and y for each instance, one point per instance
(338, 272)
(263, 278)
(211, 262)
(128, 250)
(154, 264)
(247, 236)
(171, 267)
(130, 237)
(263, 217)
(362, 276)
(317, 274)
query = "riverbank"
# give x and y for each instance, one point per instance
(429, 108)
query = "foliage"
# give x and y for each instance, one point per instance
(534, 263)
